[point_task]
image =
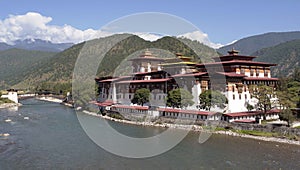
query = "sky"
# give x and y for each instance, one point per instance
(220, 21)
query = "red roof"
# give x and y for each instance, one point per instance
(198, 112)
(114, 79)
(147, 58)
(232, 74)
(105, 103)
(244, 121)
(232, 62)
(190, 74)
(261, 78)
(232, 57)
(145, 81)
(251, 113)
(145, 73)
(131, 107)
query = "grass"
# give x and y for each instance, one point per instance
(116, 116)
(258, 133)
(5, 100)
(250, 132)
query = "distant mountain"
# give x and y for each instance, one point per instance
(56, 74)
(16, 64)
(4, 46)
(37, 45)
(286, 55)
(249, 45)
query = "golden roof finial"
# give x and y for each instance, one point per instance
(233, 52)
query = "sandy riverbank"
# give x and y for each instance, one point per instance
(50, 99)
(197, 129)
(8, 105)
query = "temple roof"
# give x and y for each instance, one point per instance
(251, 113)
(233, 55)
(149, 73)
(179, 63)
(237, 62)
(114, 79)
(144, 81)
(131, 107)
(232, 74)
(147, 56)
(190, 74)
(260, 79)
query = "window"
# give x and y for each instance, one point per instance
(242, 70)
(251, 72)
(257, 72)
(246, 96)
(240, 96)
(233, 96)
(266, 73)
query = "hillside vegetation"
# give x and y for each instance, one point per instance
(56, 75)
(16, 64)
(286, 55)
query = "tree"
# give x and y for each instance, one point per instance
(263, 94)
(141, 96)
(179, 98)
(211, 98)
(288, 96)
(249, 106)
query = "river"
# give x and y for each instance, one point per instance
(52, 138)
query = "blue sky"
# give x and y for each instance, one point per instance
(223, 20)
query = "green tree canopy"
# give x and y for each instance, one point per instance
(263, 94)
(179, 98)
(288, 97)
(141, 96)
(211, 98)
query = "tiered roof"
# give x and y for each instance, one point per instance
(146, 56)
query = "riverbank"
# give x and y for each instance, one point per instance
(197, 128)
(8, 105)
(50, 99)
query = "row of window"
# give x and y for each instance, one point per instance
(130, 96)
(240, 96)
(183, 115)
(256, 71)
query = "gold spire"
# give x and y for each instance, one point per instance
(233, 52)
(147, 53)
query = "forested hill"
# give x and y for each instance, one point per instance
(57, 73)
(249, 45)
(15, 64)
(286, 55)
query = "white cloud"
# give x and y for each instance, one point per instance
(33, 25)
(201, 37)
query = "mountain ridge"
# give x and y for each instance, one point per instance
(285, 55)
(36, 45)
(251, 44)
